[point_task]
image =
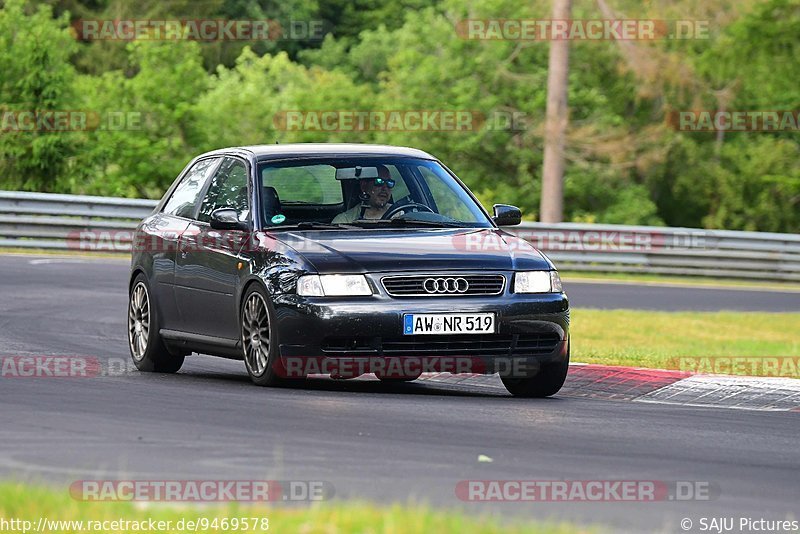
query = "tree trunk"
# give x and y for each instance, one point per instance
(552, 203)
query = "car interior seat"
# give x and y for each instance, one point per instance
(271, 202)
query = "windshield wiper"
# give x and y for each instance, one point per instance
(408, 222)
(310, 225)
(317, 225)
(365, 223)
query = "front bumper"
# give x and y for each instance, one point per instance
(531, 330)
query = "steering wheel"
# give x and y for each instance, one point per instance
(410, 207)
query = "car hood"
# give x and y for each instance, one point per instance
(384, 250)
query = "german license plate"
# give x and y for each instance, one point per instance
(448, 323)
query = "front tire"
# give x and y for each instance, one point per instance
(548, 381)
(260, 340)
(146, 346)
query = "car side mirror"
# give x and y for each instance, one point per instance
(505, 215)
(227, 219)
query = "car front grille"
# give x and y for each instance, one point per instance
(444, 285)
(444, 345)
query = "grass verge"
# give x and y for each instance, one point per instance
(30, 503)
(657, 339)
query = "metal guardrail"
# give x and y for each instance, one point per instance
(667, 250)
(61, 222)
(76, 222)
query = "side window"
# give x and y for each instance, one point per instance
(228, 189)
(183, 201)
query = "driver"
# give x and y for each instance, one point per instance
(375, 195)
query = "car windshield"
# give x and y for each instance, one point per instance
(364, 192)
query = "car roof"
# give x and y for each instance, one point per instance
(277, 151)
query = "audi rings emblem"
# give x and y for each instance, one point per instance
(445, 285)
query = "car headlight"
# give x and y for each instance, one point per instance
(333, 285)
(537, 282)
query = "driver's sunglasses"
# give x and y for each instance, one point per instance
(380, 181)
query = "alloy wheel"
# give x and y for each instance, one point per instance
(255, 333)
(138, 321)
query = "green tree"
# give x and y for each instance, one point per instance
(142, 153)
(248, 104)
(37, 76)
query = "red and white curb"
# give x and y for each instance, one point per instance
(657, 386)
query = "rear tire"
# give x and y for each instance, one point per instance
(147, 348)
(548, 381)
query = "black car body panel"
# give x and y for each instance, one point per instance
(199, 276)
(413, 250)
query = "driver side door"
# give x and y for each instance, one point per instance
(207, 272)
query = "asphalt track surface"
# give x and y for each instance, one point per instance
(404, 443)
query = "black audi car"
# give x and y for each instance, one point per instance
(341, 260)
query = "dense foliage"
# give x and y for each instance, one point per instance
(625, 162)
